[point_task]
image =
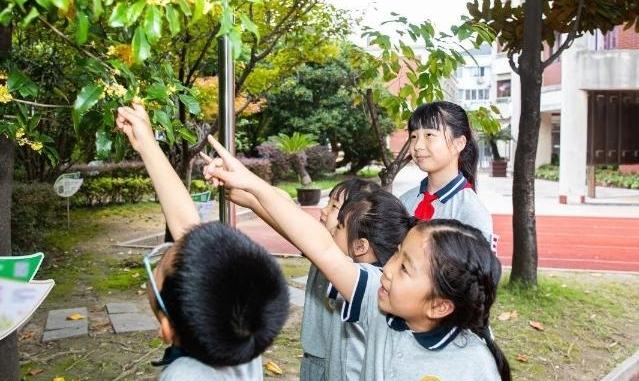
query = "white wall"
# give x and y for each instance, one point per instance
(544, 145)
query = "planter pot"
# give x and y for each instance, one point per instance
(498, 168)
(308, 196)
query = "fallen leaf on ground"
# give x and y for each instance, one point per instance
(58, 379)
(273, 368)
(536, 325)
(35, 371)
(508, 315)
(522, 358)
(75, 316)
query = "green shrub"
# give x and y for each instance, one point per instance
(112, 190)
(34, 208)
(605, 175)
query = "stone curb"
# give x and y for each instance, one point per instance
(626, 371)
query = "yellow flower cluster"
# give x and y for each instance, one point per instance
(121, 51)
(3, 75)
(5, 96)
(115, 90)
(22, 140)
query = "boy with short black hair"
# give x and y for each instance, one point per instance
(220, 298)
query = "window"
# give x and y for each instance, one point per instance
(473, 94)
(503, 88)
(478, 71)
(467, 94)
(460, 94)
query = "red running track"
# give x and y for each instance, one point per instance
(584, 243)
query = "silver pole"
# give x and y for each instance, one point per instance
(226, 115)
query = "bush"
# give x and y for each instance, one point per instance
(280, 163)
(319, 161)
(112, 190)
(261, 167)
(199, 186)
(34, 208)
(605, 175)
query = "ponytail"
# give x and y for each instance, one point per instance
(465, 271)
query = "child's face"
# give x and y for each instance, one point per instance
(406, 280)
(433, 149)
(161, 270)
(329, 213)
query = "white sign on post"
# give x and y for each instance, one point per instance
(66, 186)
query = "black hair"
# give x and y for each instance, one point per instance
(351, 187)
(465, 271)
(226, 296)
(442, 114)
(380, 218)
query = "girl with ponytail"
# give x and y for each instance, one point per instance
(442, 144)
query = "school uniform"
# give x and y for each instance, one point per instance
(456, 200)
(316, 321)
(394, 352)
(347, 344)
(178, 366)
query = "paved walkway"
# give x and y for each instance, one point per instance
(602, 234)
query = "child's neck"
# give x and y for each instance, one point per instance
(438, 179)
(422, 325)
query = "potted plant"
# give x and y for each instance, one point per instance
(486, 122)
(294, 146)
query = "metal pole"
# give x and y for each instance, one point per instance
(226, 115)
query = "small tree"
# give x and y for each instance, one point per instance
(294, 145)
(521, 31)
(486, 122)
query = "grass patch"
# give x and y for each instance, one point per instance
(294, 267)
(584, 323)
(368, 172)
(326, 182)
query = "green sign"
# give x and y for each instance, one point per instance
(201, 197)
(22, 268)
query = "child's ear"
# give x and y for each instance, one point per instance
(460, 143)
(166, 330)
(439, 308)
(361, 247)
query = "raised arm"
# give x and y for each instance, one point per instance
(179, 210)
(302, 229)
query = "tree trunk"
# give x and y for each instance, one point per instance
(298, 161)
(9, 365)
(494, 150)
(524, 266)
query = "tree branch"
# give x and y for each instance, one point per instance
(71, 43)
(372, 111)
(209, 40)
(40, 104)
(569, 39)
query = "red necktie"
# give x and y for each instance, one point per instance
(425, 209)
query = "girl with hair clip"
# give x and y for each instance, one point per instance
(426, 315)
(442, 144)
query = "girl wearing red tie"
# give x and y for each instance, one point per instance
(442, 144)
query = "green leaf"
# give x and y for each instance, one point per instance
(5, 15)
(163, 119)
(87, 98)
(82, 33)
(45, 3)
(61, 4)
(153, 24)
(187, 135)
(140, 45)
(33, 13)
(98, 10)
(173, 17)
(198, 11)
(134, 12)
(118, 16)
(191, 104)
(157, 91)
(250, 26)
(184, 6)
(235, 38)
(23, 85)
(102, 145)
